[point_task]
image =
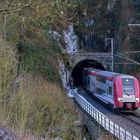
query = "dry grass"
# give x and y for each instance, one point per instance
(42, 109)
(7, 66)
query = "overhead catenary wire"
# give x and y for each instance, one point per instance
(126, 58)
(131, 52)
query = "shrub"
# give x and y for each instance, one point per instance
(39, 59)
(42, 109)
(8, 67)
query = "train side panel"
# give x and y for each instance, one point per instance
(118, 92)
(137, 92)
(86, 80)
(104, 89)
(99, 86)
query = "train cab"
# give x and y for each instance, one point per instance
(126, 92)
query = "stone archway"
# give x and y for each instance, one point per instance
(78, 69)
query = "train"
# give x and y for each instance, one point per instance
(117, 90)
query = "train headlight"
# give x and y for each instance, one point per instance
(137, 100)
(120, 100)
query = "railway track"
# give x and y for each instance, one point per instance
(129, 121)
(131, 117)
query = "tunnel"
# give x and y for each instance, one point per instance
(77, 70)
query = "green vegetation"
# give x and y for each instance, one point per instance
(28, 25)
(8, 69)
(39, 107)
(42, 109)
(40, 59)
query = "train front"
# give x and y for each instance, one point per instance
(127, 93)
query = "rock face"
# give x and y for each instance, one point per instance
(70, 40)
(110, 5)
(6, 134)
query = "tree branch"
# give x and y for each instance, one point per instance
(5, 11)
(1, 0)
(10, 3)
(8, 11)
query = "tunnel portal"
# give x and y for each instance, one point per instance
(77, 70)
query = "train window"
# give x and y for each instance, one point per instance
(110, 92)
(101, 79)
(93, 84)
(99, 90)
(128, 86)
(127, 81)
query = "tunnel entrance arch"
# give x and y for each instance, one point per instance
(77, 70)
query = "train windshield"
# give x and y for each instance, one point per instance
(128, 86)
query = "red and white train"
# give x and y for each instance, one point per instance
(118, 90)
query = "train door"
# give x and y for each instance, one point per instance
(93, 84)
(85, 80)
(110, 93)
(101, 87)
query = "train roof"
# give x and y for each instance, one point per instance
(107, 73)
